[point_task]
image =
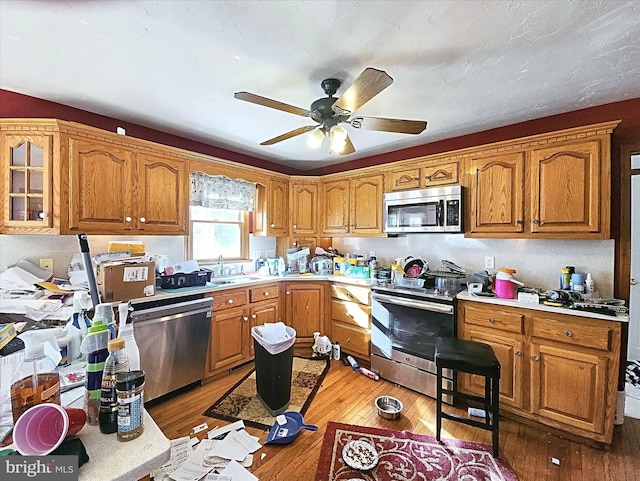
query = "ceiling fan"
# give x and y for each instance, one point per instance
(328, 112)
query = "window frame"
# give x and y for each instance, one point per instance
(244, 239)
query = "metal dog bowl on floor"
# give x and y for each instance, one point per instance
(389, 407)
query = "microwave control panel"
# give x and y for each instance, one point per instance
(452, 213)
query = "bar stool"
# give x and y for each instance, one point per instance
(474, 358)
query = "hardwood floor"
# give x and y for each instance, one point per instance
(346, 396)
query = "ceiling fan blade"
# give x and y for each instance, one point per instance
(274, 104)
(368, 84)
(389, 125)
(288, 135)
(348, 147)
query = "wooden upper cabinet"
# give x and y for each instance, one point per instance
(566, 188)
(26, 165)
(304, 209)
(115, 189)
(163, 194)
(353, 206)
(366, 205)
(271, 215)
(420, 177)
(335, 207)
(496, 193)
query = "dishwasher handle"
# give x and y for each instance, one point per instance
(172, 311)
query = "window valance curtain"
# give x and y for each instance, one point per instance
(221, 192)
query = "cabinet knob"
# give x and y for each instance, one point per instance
(633, 282)
(536, 358)
(42, 215)
(295, 226)
(230, 301)
(128, 218)
(536, 221)
(519, 222)
(266, 293)
(568, 334)
(245, 318)
(142, 219)
(295, 244)
(428, 177)
(518, 353)
(416, 178)
(273, 225)
(253, 316)
(288, 293)
(491, 319)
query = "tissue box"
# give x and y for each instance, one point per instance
(122, 281)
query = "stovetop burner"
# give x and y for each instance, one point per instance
(389, 287)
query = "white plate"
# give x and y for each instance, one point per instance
(360, 455)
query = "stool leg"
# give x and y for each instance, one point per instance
(439, 403)
(495, 398)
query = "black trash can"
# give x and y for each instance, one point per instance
(274, 363)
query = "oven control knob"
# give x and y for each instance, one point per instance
(436, 292)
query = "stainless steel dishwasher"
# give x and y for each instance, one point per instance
(173, 336)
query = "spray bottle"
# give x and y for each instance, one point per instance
(36, 380)
(104, 313)
(94, 346)
(125, 331)
(79, 324)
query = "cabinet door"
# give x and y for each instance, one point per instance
(278, 208)
(404, 179)
(567, 386)
(227, 344)
(27, 180)
(265, 312)
(441, 174)
(497, 190)
(508, 350)
(366, 205)
(304, 209)
(163, 198)
(101, 187)
(565, 183)
(335, 210)
(304, 309)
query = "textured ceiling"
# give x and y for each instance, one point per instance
(462, 66)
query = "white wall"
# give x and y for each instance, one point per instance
(537, 261)
(14, 248)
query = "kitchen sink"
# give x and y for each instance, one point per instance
(232, 280)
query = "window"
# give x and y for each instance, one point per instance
(218, 232)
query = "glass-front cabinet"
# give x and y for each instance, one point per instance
(26, 161)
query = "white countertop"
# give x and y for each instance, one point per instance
(465, 296)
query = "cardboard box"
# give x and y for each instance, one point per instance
(122, 281)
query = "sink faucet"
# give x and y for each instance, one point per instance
(221, 264)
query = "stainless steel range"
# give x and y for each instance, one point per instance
(406, 321)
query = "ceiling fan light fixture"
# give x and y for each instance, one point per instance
(315, 138)
(337, 134)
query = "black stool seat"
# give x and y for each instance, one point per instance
(471, 357)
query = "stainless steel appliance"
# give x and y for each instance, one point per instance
(406, 321)
(172, 336)
(436, 209)
(322, 265)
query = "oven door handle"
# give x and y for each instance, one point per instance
(423, 305)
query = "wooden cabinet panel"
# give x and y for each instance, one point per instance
(26, 161)
(305, 309)
(335, 210)
(264, 292)
(229, 298)
(440, 174)
(278, 208)
(494, 319)
(497, 194)
(566, 188)
(576, 333)
(163, 194)
(348, 292)
(568, 386)
(351, 319)
(422, 176)
(366, 205)
(228, 339)
(405, 179)
(352, 340)
(304, 209)
(353, 313)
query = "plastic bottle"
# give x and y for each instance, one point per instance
(373, 266)
(589, 285)
(36, 380)
(104, 313)
(335, 351)
(94, 346)
(353, 363)
(116, 362)
(125, 331)
(369, 374)
(65, 344)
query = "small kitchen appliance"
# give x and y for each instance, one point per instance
(322, 265)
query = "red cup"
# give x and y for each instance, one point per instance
(43, 427)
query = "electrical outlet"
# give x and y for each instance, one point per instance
(489, 262)
(47, 264)
(255, 255)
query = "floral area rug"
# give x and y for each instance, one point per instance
(242, 402)
(405, 456)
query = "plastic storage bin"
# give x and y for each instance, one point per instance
(192, 279)
(274, 362)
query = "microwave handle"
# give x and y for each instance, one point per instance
(440, 213)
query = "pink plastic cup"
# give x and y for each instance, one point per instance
(43, 427)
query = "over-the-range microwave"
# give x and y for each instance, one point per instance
(435, 209)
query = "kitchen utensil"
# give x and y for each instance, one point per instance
(389, 407)
(286, 428)
(453, 267)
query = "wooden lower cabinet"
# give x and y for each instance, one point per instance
(556, 369)
(305, 309)
(351, 319)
